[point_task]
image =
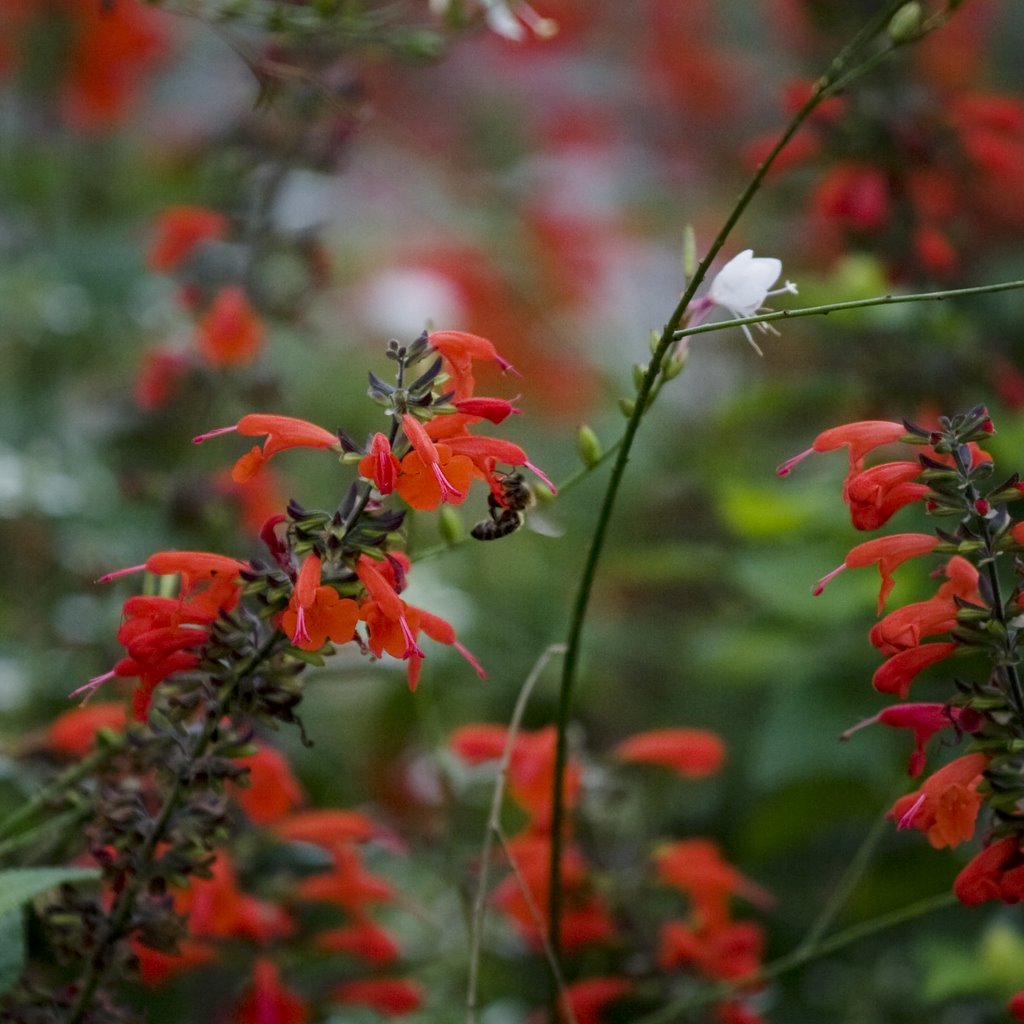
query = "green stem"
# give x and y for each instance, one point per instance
(800, 956)
(67, 820)
(60, 785)
(824, 87)
(837, 307)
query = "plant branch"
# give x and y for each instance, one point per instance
(824, 87)
(494, 828)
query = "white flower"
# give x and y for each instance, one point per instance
(508, 18)
(742, 285)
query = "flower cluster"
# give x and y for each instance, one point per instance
(969, 615)
(706, 941)
(219, 650)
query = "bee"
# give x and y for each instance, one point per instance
(506, 511)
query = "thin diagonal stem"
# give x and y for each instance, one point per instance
(494, 828)
(825, 86)
(801, 955)
(838, 307)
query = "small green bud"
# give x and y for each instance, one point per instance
(543, 494)
(449, 525)
(627, 407)
(905, 24)
(689, 253)
(674, 365)
(589, 447)
(655, 341)
(639, 372)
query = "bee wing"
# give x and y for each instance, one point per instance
(544, 525)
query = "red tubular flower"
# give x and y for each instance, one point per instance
(905, 627)
(363, 939)
(853, 195)
(888, 553)
(273, 791)
(315, 613)
(590, 997)
(692, 753)
(993, 874)
(209, 583)
(531, 768)
(282, 432)
(585, 922)
(155, 967)
(179, 231)
(74, 732)
(697, 869)
(268, 1001)
(945, 807)
(861, 438)
(896, 674)
(392, 997)
(330, 828)
(874, 495)
(230, 334)
(493, 409)
(459, 350)
(727, 952)
(1016, 1006)
(347, 885)
(216, 908)
(380, 465)
(925, 720)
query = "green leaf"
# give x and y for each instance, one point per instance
(19, 885)
(12, 950)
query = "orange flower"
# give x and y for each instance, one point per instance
(391, 997)
(888, 553)
(268, 1001)
(282, 432)
(230, 334)
(180, 230)
(693, 753)
(315, 613)
(209, 583)
(945, 807)
(430, 474)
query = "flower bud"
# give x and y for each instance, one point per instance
(905, 24)
(689, 252)
(589, 447)
(639, 372)
(627, 407)
(449, 525)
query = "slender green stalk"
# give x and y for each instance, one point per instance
(66, 821)
(848, 883)
(800, 956)
(493, 830)
(63, 782)
(838, 72)
(838, 307)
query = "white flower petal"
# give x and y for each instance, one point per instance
(743, 283)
